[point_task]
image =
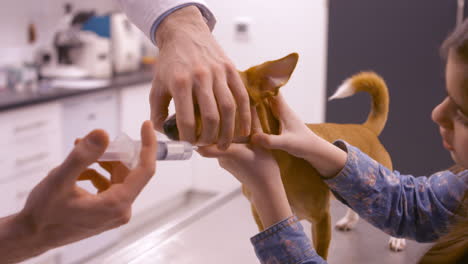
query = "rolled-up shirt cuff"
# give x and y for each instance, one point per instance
(284, 242)
(349, 178)
(207, 14)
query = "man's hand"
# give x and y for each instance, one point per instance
(59, 212)
(193, 69)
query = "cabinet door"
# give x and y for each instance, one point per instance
(172, 177)
(10, 204)
(30, 146)
(7, 191)
(31, 149)
(84, 113)
(80, 116)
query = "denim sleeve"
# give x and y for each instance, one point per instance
(285, 242)
(418, 208)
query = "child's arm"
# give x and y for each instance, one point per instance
(283, 240)
(403, 206)
(419, 208)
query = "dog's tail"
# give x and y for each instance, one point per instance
(373, 84)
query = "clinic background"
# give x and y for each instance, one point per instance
(334, 39)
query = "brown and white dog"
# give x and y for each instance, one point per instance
(308, 195)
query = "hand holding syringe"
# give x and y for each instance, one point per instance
(127, 151)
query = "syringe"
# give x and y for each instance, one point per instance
(127, 151)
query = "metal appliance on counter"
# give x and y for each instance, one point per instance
(83, 49)
(94, 55)
(94, 46)
(125, 39)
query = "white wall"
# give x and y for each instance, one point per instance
(278, 28)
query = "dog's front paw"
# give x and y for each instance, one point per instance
(397, 244)
(347, 223)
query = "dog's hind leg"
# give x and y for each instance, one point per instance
(257, 218)
(397, 244)
(348, 221)
(321, 235)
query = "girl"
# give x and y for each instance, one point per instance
(422, 208)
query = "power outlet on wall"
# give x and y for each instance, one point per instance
(242, 29)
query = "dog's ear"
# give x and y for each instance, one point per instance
(271, 75)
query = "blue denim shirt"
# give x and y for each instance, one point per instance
(418, 208)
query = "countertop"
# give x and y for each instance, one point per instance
(10, 100)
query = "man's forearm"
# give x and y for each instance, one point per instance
(186, 18)
(17, 240)
(148, 14)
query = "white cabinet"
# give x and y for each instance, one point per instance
(30, 147)
(172, 177)
(134, 108)
(81, 115)
(28, 150)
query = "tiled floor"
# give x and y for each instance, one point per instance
(223, 237)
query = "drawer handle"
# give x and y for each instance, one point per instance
(104, 98)
(30, 159)
(92, 116)
(30, 126)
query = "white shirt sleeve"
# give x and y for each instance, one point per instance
(148, 14)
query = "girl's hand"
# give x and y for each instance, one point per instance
(257, 169)
(252, 165)
(294, 136)
(298, 140)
